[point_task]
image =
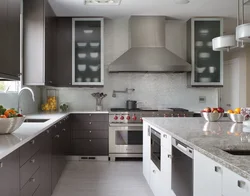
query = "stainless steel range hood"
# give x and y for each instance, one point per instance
(148, 52)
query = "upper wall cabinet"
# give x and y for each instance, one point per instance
(10, 12)
(39, 43)
(87, 51)
(207, 64)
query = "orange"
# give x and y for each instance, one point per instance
(230, 112)
(3, 116)
(237, 111)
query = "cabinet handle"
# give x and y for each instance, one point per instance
(57, 136)
(154, 171)
(48, 131)
(149, 129)
(90, 123)
(60, 122)
(1, 164)
(32, 180)
(64, 130)
(55, 126)
(217, 169)
(90, 131)
(165, 136)
(32, 142)
(90, 140)
(241, 184)
(33, 160)
(50, 82)
(170, 156)
(90, 114)
(69, 83)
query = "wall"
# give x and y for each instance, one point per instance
(9, 100)
(152, 90)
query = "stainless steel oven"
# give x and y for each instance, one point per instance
(125, 140)
(156, 148)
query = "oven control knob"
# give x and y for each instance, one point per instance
(141, 119)
(116, 118)
(122, 118)
(128, 118)
(165, 115)
(134, 117)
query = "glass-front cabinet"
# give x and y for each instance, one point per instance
(88, 48)
(207, 65)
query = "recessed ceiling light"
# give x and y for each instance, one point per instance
(102, 2)
(181, 1)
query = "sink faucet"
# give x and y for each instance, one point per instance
(19, 95)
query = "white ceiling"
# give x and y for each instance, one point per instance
(223, 8)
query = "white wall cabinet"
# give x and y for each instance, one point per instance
(146, 151)
(207, 176)
(234, 185)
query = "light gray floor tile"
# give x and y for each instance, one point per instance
(92, 178)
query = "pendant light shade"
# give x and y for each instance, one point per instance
(224, 42)
(243, 33)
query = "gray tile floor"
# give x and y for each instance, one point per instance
(86, 178)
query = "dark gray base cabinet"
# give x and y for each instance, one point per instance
(9, 175)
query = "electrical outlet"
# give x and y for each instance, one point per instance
(202, 99)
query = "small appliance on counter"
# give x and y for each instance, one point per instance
(99, 97)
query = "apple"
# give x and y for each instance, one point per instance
(207, 109)
(220, 110)
(214, 109)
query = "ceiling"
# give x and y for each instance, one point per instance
(223, 8)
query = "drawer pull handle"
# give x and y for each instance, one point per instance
(90, 123)
(55, 126)
(64, 130)
(33, 160)
(48, 131)
(1, 164)
(60, 122)
(32, 142)
(241, 184)
(165, 136)
(169, 156)
(154, 171)
(217, 169)
(57, 136)
(90, 140)
(90, 114)
(32, 180)
(90, 131)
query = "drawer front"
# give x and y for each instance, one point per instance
(89, 117)
(85, 125)
(90, 147)
(29, 168)
(89, 134)
(28, 150)
(32, 185)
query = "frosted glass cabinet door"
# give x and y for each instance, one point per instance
(207, 65)
(87, 46)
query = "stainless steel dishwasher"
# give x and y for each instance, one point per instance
(182, 169)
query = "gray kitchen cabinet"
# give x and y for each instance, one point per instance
(89, 134)
(207, 65)
(39, 42)
(10, 11)
(9, 175)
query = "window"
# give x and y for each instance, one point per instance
(10, 86)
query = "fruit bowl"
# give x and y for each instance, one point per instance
(237, 118)
(212, 117)
(9, 125)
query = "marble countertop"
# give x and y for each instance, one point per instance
(210, 139)
(28, 131)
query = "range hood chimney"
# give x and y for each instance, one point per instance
(148, 52)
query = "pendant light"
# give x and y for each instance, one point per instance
(225, 42)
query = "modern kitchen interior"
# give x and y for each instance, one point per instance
(124, 98)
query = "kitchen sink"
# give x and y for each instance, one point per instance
(238, 152)
(36, 120)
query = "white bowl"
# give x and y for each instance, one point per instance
(95, 79)
(94, 54)
(82, 55)
(204, 55)
(88, 31)
(209, 44)
(200, 69)
(199, 43)
(204, 32)
(94, 68)
(88, 79)
(9, 125)
(82, 44)
(94, 44)
(205, 80)
(79, 79)
(82, 67)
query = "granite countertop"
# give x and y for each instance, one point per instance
(28, 131)
(209, 138)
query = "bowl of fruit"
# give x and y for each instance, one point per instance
(212, 114)
(235, 115)
(10, 120)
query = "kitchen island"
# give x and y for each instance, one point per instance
(221, 161)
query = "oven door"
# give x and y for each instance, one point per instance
(156, 148)
(125, 139)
